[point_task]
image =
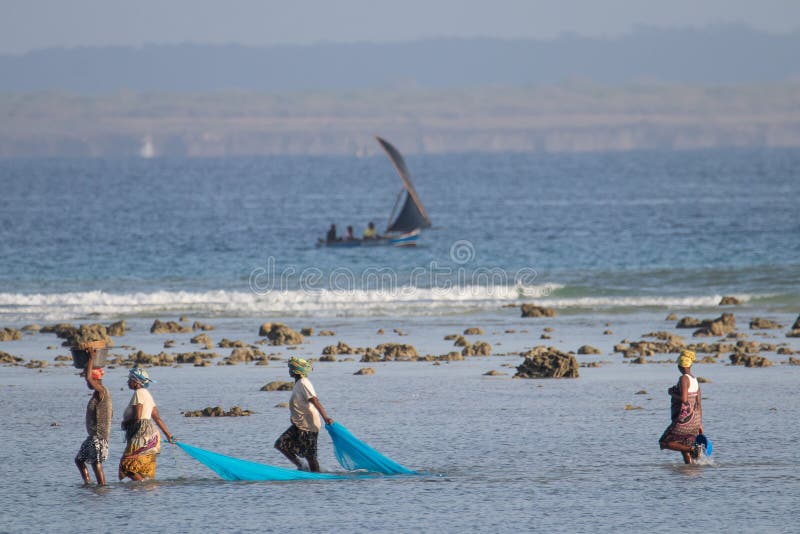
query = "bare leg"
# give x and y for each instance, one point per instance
(99, 474)
(292, 458)
(83, 470)
(685, 450)
(313, 464)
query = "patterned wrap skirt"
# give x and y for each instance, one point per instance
(143, 445)
(687, 419)
(301, 443)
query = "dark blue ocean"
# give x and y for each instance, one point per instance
(236, 237)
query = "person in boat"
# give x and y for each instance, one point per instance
(349, 235)
(300, 440)
(94, 449)
(331, 235)
(686, 412)
(370, 232)
(139, 423)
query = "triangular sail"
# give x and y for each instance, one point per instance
(413, 213)
(408, 218)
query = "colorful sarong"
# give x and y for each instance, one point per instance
(143, 444)
(93, 450)
(687, 419)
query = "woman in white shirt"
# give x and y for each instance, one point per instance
(143, 439)
(686, 411)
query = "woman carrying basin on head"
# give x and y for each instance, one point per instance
(686, 412)
(139, 423)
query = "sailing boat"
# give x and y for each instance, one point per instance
(405, 223)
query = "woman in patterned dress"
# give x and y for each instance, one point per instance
(139, 422)
(686, 412)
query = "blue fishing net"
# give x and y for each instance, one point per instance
(235, 469)
(354, 454)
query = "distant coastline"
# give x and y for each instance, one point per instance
(570, 117)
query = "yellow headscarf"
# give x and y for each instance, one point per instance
(299, 366)
(686, 358)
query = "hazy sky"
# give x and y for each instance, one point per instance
(31, 24)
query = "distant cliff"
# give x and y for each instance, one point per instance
(553, 118)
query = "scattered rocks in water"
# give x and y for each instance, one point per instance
(168, 344)
(666, 336)
(308, 331)
(218, 411)
(278, 385)
(547, 329)
(532, 310)
(688, 322)
(282, 405)
(707, 359)
(200, 326)
(6, 358)
(168, 327)
(510, 331)
(494, 373)
(62, 358)
(340, 348)
(198, 359)
(703, 380)
(450, 337)
(785, 350)
(36, 364)
(545, 336)
(757, 323)
(547, 362)
(327, 358)
(633, 407)
(161, 359)
(793, 333)
(473, 331)
(608, 333)
(588, 349)
(672, 317)
(452, 356)
(641, 392)
(228, 344)
(365, 371)
(117, 329)
(280, 334)
(729, 301)
(793, 360)
(749, 360)
(380, 332)
(397, 352)
(482, 348)
(52, 347)
(31, 328)
(327, 333)
(245, 355)
(203, 339)
(722, 325)
(10, 334)
(183, 318)
(460, 341)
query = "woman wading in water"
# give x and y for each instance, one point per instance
(686, 411)
(143, 439)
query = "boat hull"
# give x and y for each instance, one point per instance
(407, 239)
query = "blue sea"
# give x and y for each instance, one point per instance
(232, 237)
(614, 242)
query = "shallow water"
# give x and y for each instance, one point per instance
(501, 454)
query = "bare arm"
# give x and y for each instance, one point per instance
(320, 409)
(94, 384)
(161, 424)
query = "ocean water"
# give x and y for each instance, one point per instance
(236, 237)
(612, 241)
